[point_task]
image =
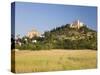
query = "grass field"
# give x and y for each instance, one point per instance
(54, 60)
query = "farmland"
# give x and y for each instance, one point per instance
(54, 60)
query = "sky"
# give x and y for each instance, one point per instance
(44, 17)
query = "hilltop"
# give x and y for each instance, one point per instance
(76, 37)
(66, 32)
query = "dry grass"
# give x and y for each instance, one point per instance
(54, 60)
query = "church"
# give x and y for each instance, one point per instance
(77, 24)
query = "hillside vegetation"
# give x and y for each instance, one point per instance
(63, 37)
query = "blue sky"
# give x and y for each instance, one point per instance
(43, 17)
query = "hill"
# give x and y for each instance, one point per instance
(72, 38)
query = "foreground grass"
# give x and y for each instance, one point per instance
(54, 60)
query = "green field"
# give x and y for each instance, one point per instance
(54, 60)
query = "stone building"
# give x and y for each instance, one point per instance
(33, 33)
(77, 24)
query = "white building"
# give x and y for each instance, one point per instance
(77, 24)
(34, 41)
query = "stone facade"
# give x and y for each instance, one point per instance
(76, 24)
(33, 33)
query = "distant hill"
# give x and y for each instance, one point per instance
(65, 32)
(72, 38)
